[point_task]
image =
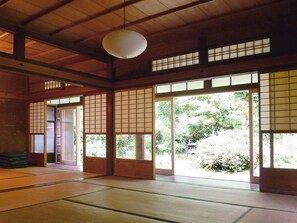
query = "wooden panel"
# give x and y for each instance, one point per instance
(278, 181)
(95, 165)
(143, 169)
(13, 126)
(36, 159)
(13, 83)
(13, 113)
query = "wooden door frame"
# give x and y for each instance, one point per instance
(253, 179)
(74, 107)
(168, 171)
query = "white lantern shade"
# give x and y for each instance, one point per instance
(124, 43)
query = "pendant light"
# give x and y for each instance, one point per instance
(124, 43)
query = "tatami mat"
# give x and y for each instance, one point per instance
(43, 179)
(36, 195)
(162, 207)
(6, 174)
(221, 195)
(269, 216)
(47, 195)
(36, 170)
(65, 211)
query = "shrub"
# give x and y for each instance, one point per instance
(228, 151)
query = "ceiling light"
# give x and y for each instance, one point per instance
(124, 43)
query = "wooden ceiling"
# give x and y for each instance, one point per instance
(57, 29)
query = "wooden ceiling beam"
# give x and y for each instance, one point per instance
(46, 11)
(148, 18)
(97, 15)
(28, 67)
(74, 48)
(3, 2)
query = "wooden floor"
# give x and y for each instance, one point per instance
(50, 195)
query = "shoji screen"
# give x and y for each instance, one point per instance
(95, 128)
(133, 129)
(134, 111)
(279, 101)
(95, 114)
(36, 112)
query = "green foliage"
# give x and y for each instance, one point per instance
(96, 145)
(228, 151)
(285, 148)
(199, 117)
(163, 127)
(125, 146)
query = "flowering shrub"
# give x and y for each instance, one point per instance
(228, 151)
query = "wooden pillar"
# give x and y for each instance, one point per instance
(19, 45)
(203, 51)
(110, 151)
(140, 147)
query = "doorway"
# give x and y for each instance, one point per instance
(173, 151)
(69, 147)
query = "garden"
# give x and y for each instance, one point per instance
(218, 126)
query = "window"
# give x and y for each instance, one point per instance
(52, 85)
(134, 146)
(61, 101)
(37, 143)
(239, 50)
(96, 145)
(179, 86)
(176, 61)
(285, 150)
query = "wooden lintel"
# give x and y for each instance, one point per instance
(56, 73)
(257, 64)
(69, 91)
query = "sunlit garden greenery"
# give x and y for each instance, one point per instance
(218, 124)
(96, 145)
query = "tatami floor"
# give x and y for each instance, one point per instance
(52, 195)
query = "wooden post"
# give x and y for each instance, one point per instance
(19, 45)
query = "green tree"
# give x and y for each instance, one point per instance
(198, 117)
